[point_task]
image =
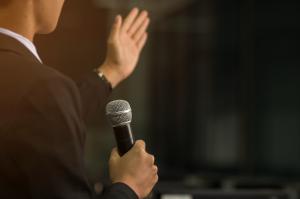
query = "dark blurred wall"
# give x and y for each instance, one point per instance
(225, 90)
(277, 90)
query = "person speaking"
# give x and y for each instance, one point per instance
(43, 112)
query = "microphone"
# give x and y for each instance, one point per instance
(119, 115)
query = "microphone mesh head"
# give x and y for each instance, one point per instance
(118, 112)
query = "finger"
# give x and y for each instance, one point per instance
(116, 28)
(137, 23)
(140, 144)
(130, 19)
(151, 159)
(141, 43)
(142, 29)
(155, 169)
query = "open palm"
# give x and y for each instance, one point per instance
(125, 44)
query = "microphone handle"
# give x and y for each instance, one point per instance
(124, 138)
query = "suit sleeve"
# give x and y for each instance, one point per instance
(48, 145)
(94, 93)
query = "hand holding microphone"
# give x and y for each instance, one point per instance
(130, 163)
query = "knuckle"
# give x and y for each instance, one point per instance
(140, 144)
(140, 152)
(152, 158)
(155, 169)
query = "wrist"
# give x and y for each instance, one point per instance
(111, 75)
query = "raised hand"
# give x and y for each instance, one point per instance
(125, 43)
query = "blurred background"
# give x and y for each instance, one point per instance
(216, 95)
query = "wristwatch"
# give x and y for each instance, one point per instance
(104, 79)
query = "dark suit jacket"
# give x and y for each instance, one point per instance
(42, 129)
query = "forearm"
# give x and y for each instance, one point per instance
(94, 94)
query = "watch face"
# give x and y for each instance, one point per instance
(101, 75)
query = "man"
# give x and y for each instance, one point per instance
(42, 112)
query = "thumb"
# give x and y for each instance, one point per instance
(116, 27)
(114, 154)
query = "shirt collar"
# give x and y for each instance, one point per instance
(26, 42)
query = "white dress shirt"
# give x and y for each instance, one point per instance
(23, 40)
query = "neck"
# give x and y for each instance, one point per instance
(16, 18)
